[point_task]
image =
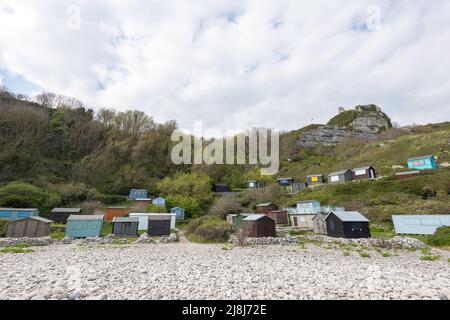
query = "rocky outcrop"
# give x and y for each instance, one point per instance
(330, 136)
(363, 122)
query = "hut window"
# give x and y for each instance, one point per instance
(360, 172)
(334, 178)
(356, 226)
(331, 225)
(419, 162)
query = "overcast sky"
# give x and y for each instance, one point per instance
(233, 64)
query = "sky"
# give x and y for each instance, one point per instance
(233, 65)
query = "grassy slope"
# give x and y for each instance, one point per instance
(380, 199)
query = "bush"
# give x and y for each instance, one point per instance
(225, 205)
(209, 228)
(3, 227)
(152, 208)
(72, 193)
(441, 237)
(91, 207)
(25, 195)
(191, 205)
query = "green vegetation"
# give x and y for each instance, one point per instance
(430, 258)
(18, 248)
(208, 229)
(385, 254)
(364, 254)
(3, 227)
(440, 238)
(152, 208)
(346, 118)
(57, 235)
(106, 228)
(346, 253)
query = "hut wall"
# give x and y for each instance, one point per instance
(125, 228)
(28, 228)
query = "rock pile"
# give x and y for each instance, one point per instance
(396, 242)
(284, 241)
(10, 242)
(145, 238)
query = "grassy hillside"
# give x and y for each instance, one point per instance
(427, 194)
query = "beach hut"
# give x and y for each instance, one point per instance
(60, 215)
(285, 182)
(83, 226)
(422, 163)
(419, 224)
(113, 212)
(125, 226)
(302, 220)
(309, 207)
(144, 218)
(143, 202)
(159, 225)
(254, 184)
(137, 194)
(364, 173)
(342, 176)
(319, 224)
(221, 188)
(159, 201)
(407, 174)
(347, 224)
(265, 207)
(280, 216)
(16, 213)
(298, 186)
(29, 227)
(236, 219)
(179, 212)
(314, 179)
(258, 226)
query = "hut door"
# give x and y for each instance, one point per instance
(295, 222)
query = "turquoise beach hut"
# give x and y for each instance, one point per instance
(83, 226)
(422, 163)
(14, 213)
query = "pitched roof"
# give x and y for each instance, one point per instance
(323, 216)
(37, 218)
(407, 172)
(422, 157)
(143, 199)
(176, 208)
(315, 175)
(362, 168)
(125, 219)
(349, 216)
(67, 210)
(73, 217)
(254, 217)
(338, 173)
(264, 204)
(284, 179)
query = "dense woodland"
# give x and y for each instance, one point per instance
(55, 151)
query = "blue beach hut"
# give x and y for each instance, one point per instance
(15, 213)
(179, 212)
(83, 226)
(422, 163)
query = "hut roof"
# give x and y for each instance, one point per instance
(407, 172)
(125, 219)
(338, 173)
(85, 217)
(349, 216)
(284, 179)
(419, 158)
(323, 216)
(314, 175)
(362, 168)
(67, 210)
(176, 208)
(254, 217)
(20, 209)
(41, 219)
(264, 204)
(143, 199)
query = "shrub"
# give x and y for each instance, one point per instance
(441, 237)
(152, 208)
(91, 207)
(191, 205)
(25, 195)
(364, 254)
(225, 205)
(430, 258)
(209, 228)
(3, 227)
(76, 192)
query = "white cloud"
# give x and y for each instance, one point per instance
(236, 64)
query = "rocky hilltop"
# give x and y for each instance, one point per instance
(362, 122)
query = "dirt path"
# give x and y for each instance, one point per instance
(182, 238)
